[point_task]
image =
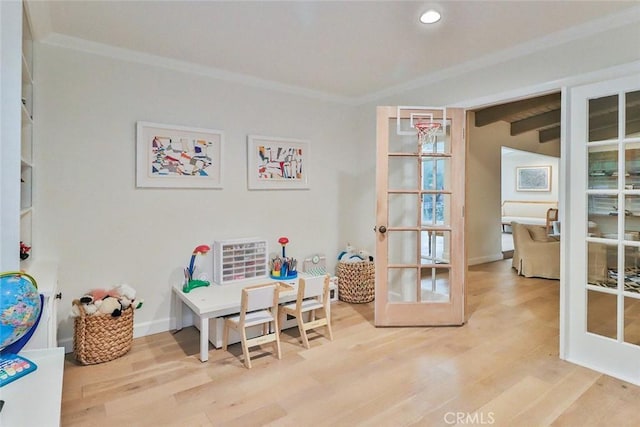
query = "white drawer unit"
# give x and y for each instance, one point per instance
(240, 259)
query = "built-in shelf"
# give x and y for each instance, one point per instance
(26, 139)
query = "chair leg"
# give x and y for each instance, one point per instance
(303, 333)
(328, 317)
(277, 342)
(281, 317)
(225, 336)
(245, 348)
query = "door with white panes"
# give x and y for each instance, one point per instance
(603, 310)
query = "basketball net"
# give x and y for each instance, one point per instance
(427, 132)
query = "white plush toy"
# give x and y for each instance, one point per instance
(89, 309)
(347, 254)
(128, 296)
(365, 255)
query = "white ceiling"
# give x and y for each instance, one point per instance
(346, 49)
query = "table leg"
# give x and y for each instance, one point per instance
(177, 307)
(204, 339)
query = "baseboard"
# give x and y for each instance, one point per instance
(485, 259)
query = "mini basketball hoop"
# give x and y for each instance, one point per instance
(427, 131)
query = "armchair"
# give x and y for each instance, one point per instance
(535, 254)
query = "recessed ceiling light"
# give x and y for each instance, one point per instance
(430, 17)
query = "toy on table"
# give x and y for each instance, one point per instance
(190, 283)
(315, 265)
(283, 241)
(283, 267)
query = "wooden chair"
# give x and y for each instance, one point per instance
(313, 295)
(258, 306)
(552, 216)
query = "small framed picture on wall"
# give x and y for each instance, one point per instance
(277, 163)
(178, 156)
(533, 178)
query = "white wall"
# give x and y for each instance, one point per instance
(484, 184)
(513, 159)
(104, 230)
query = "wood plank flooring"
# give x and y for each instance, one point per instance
(501, 368)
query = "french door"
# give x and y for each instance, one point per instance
(602, 313)
(420, 251)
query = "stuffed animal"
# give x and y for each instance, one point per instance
(109, 305)
(347, 254)
(108, 301)
(127, 295)
(89, 309)
(98, 294)
(365, 255)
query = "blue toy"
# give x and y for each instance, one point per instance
(189, 282)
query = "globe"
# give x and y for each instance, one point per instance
(20, 306)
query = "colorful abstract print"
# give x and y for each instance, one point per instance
(279, 163)
(180, 156)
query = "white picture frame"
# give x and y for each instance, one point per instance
(171, 156)
(275, 163)
(533, 178)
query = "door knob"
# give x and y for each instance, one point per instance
(382, 229)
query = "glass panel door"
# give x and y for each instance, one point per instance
(604, 295)
(420, 246)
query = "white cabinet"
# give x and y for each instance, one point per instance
(34, 400)
(240, 259)
(26, 137)
(46, 275)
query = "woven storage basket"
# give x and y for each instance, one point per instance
(356, 281)
(101, 338)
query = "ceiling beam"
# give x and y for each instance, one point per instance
(535, 122)
(496, 113)
(550, 134)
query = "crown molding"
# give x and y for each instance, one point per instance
(594, 27)
(128, 55)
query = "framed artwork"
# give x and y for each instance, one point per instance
(277, 163)
(178, 156)
(533, 178)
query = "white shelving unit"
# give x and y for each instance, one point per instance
(46, 274)
(241, 259)
(26, 137)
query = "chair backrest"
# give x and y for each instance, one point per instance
(552, 215)
(313, 286)
(258, 297)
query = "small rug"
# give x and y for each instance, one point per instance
(631, 280)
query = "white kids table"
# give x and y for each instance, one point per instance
(215, 301)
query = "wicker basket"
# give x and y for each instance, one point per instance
(356, 281)
(99, 339)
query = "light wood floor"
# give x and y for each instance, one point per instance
(502, 368)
